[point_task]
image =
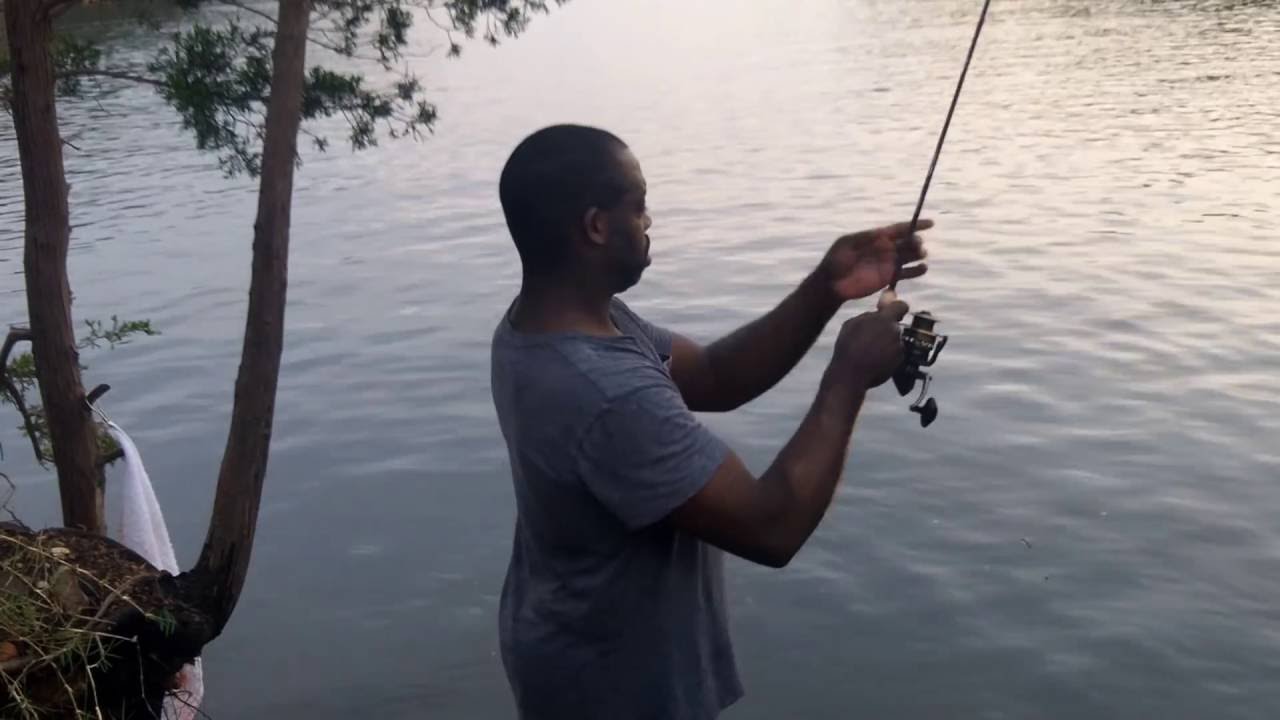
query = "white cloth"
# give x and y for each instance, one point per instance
(134, 519)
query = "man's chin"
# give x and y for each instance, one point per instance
(632, 279)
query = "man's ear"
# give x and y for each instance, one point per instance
(595, 224)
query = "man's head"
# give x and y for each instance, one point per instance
(574, 200)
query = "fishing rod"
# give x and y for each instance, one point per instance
(921, 345)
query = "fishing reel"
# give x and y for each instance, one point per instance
(920, 348)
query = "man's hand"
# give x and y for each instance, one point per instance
(869, 347)
(863, 263)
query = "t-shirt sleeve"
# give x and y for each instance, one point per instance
(645, 454)
(658, 335)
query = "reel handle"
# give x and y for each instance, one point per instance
(928, 412)
(921, 347)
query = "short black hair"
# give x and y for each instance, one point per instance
(550, 181)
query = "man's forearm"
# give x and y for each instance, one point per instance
(752, 359)
(804, 476)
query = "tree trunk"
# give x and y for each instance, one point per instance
(48, 235)
(224, 560)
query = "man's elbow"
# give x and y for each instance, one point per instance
(714, 390)
(709, 396)
(777, 539)
(759, 550)
(718, 404)
(776, 555)
(777, 559)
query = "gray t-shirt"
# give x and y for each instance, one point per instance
(607, 612)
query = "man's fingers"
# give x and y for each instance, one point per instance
(901, 230)
(911, 249)
(890, 305)
(913, 271)
(892, 232)
(895, 310)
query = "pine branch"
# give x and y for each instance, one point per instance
(251, 10)
(325, 43)
(56, 7)
(455, 49)
(111, 457)
(17, 335)
(13, 490)
(115, 75)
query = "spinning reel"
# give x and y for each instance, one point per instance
(920, 348)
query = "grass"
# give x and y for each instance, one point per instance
(54, 622)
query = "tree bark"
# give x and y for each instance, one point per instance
(48, 236)
(224, 560)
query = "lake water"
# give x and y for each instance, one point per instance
(1092, 527)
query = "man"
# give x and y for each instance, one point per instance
(613, 604)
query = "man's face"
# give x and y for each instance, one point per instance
(627, 246)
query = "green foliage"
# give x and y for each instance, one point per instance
(72, 57)
(165, 620)
(493, 17)
(218, 78)
(22, 371)
(118, 334)
(55, 629)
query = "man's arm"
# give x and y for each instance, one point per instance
(768, 520)
(745, 364)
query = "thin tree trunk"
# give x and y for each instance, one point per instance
(48, 235)
(224, 561)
